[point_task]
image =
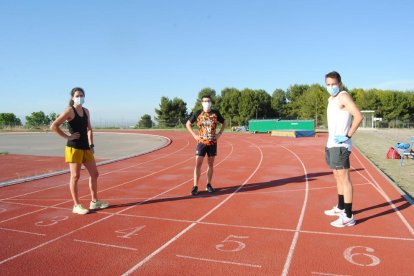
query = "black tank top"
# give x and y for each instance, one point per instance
(79, 124)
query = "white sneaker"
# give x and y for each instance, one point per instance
(78, 209)
(334, 211)
(344, 221)
(98, 205)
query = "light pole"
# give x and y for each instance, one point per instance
(257, 106)
(231, 117)
(316, 112)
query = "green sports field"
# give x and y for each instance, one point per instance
(374, 143)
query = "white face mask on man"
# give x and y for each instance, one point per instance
(206, 106)
(333, 90)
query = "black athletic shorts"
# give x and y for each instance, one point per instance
(202, 150)
(337, 158)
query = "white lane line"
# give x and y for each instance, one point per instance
(175, 187)
(300, 221)
(85, 226)
(301, 231)
(37, 177)
(165, 245)
(107, 245)
(34, 199)
(269, 228)
(328, 274)
(168, 142)
(148, 161)
(357, 236)
(20, 231)
(218, 261)
(382, 192)
(298, 190)
(241, 226)
(376, 186)
(148, 199)
(87, 177)
(25, 214)
(51, 241)
(142, 177)
(112, 187)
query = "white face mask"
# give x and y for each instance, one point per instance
(79, 100)
(333, 90)
(206, 106)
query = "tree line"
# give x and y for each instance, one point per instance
(34, 120)
(299, 101)
(303, 102)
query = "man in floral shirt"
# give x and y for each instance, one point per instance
(206, 138)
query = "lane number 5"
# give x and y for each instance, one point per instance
(231, 244)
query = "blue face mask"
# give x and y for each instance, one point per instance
(333, 90)
(79, 100)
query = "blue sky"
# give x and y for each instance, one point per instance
(128, 54)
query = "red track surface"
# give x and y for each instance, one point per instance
(17, 166)
(265, 219)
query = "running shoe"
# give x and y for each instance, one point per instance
(78, 209)
(98, 204)
(334, 211)
(194, 191)
(210, 188)
(344, 221)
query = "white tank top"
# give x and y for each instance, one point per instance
(339, 122)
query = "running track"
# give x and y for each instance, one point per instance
(266, 218)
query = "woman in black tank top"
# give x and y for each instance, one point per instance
(79, 149)
(79, 125)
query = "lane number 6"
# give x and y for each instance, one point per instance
(350, 257)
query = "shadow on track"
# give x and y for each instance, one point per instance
(387, 212)
(231, 189)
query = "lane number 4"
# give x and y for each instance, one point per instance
(127, 233)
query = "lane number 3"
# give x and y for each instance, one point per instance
(51, 221)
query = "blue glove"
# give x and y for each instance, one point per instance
(339, 139)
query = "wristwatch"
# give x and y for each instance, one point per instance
(91, 146)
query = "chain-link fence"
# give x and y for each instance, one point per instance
(393, 124)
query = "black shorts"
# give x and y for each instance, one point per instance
(202, 150)
(337, 158)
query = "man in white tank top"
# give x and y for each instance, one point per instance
(341, 110)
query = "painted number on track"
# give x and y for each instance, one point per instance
(127, 233)
(52, 221)
(361, 259)
(232, 244)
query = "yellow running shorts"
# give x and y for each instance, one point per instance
(79, 156)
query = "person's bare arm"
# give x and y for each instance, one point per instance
(90, 132)
(223, 127)
(65, 116)
(350, 105)
(189, 126)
